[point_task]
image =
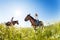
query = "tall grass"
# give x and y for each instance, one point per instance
(51, 32)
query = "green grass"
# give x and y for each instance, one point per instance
(51, 32)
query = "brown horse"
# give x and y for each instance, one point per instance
(11, 23)
(33, 21)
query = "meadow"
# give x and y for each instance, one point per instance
(50, 32)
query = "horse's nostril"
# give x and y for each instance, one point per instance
(24, 19)
(18, 23)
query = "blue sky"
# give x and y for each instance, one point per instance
(48, 10)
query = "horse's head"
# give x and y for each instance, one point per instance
(17, 22)
(27, 17)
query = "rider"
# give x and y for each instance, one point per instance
(12, 19)
(37, 20)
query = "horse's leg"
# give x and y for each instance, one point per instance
(42, 25)
(35, 28)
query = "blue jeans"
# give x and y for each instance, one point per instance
(37, 22)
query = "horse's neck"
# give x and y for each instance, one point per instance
(32, 20)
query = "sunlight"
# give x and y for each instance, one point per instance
(20, 15)
(18, 12)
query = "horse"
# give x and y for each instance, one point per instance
(11, 23)
(33, 21)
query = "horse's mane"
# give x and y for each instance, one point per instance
(32, 18)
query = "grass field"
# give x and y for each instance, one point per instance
(51, 32)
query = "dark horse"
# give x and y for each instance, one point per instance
(33, 21)
(11, 23)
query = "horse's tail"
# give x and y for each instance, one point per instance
(41, 24)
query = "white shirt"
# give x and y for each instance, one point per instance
(36, 17)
